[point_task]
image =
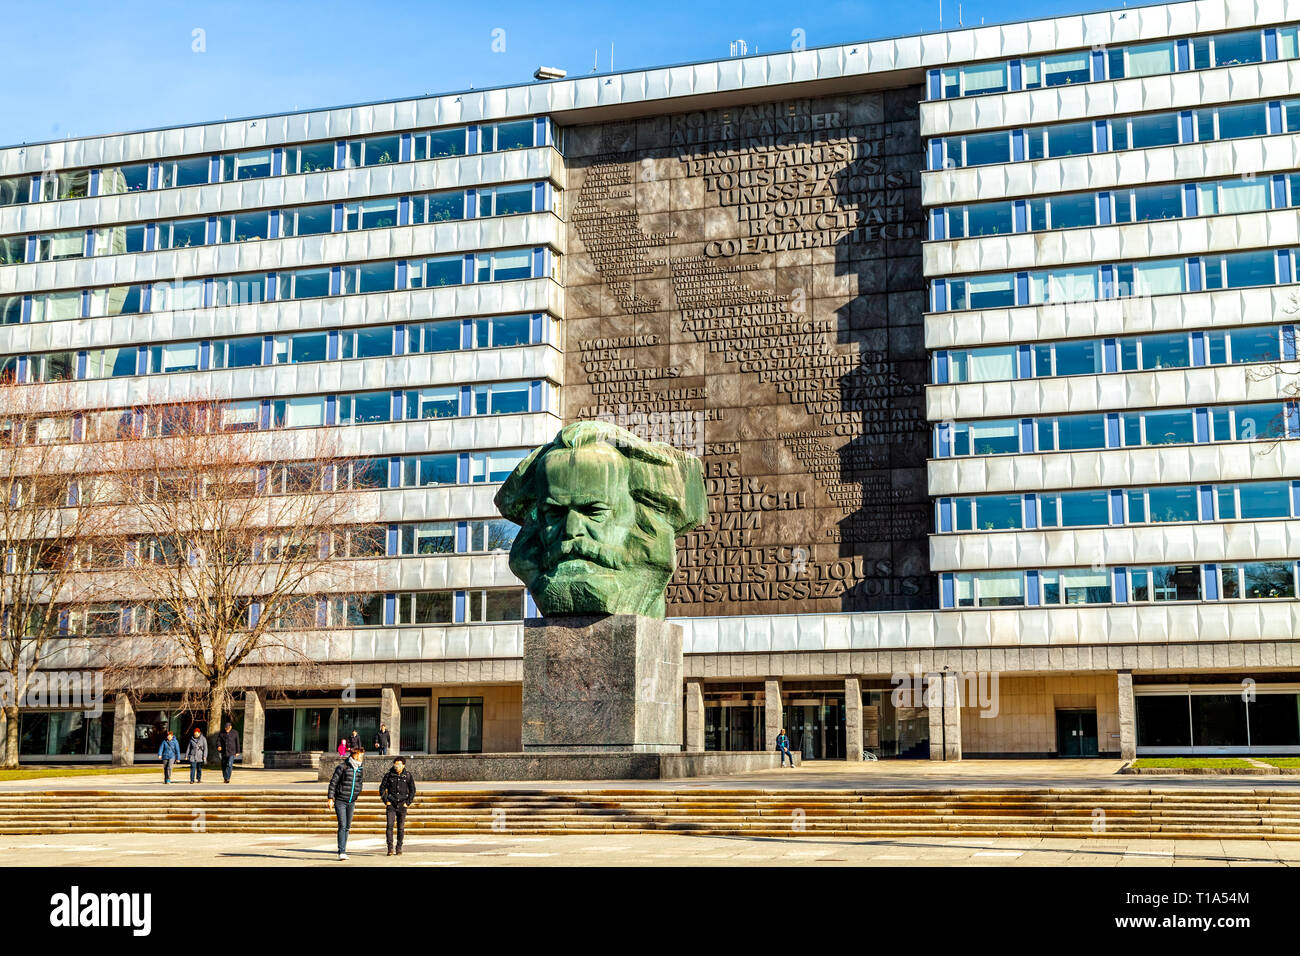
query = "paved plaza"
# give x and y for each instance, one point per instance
(203, 849)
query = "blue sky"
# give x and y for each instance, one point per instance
(81, 68)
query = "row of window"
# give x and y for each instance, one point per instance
(1144, 131)
(1139, 204)
(1131, 60)
(476, 606)
(252, 351)
(1262, 421)
(385, 213)
(1248, 581)
(276, 161)
(303, 411)
(1134, 353)
(1233, 270)
(251, 288)
(1159, 504)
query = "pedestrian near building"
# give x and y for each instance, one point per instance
(383, 740)
(196, 752)
(344, 790)
(354, 741)
(169, 753)
(397, 790)
(783, 745)
(228, 748)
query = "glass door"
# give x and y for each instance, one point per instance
(815, 726)
(1076, 733)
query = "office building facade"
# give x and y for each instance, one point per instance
(986, 339)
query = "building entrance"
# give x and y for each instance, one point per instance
(1076, 733)
(815, 725)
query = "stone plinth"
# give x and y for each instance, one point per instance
(602, 684)
(505, 768)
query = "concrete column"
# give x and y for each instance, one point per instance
(254, 737)
(123, 732)
(4, 734)
(771, 712)
(1127, 717)
(852, 719)
(390, 713)
(945, 716)
(693, 716)
(334, 730)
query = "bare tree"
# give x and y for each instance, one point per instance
(47, 533)
(240, 544)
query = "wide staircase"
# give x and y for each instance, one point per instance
(1257, 813)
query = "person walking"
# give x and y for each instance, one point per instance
(344, 789)
(228, 748)
(397, 790)
(354, 741)
(196, 752)
(343, 747)
(169, 753)
(783, 745)
(383, 740)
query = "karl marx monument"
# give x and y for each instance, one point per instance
(599, 510)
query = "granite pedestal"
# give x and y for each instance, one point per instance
(604, 684)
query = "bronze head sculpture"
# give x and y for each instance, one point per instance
(599, 509)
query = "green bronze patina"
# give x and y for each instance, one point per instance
(598, 510)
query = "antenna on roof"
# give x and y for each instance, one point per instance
(611, 56)
(595, 59)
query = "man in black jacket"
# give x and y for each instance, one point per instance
(382, 740)
(228, 748)
(397, 790)
(344, 789)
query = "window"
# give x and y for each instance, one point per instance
(498, 604)
(245, 226)
(425, 470)
(47, 307)
(982, 149)
(369, 474)
(1258, 580)
(1070, 212)
(1164, 351)
(496, 534)
(367, 343)
(312, 158)
(53, 367)
(506, 200)
(983, 292)
(118, 240)
(69, 185)
(1080, 586)
(502, 331)
(365, 407)
(438, 207)
(252, 165)
(180, 294)
(1174, 583)
(237, 290)
(426, 607)
(114, 180)
(1250, 119)
(460, 725)
(13, 249)
(307, 221)
(1169, 504)
(1063, 68)
(1153, 278)
(1069, 139)
(118, 300)
(994, 364)
(492, 466)
(369, 277)
(237, 353)
(982, 78)
(1264, 499)
(1145, 132)
(184, 172)
(434, 336)
(516, 134)
(504, 398)
(1241, 196)
(438, 143)
(991, 513)
(60, 245)
(375, 151)
(111, 363)
(182, 233)
(1080, 432)
(428, 538)
(1245, 269)
(304, 284)
(1231, 49)
(1063, 285)
(180, 357)
(990, 589)
(303, 412)
(433, 402)
(1078, 358)
(1248, 422)
(499, 266)
(1150, 59)
(363, 610)
(14, 190)
(986, 438)
(371, 214)
(1075, 509)
(1169, 428)
(1157, 202)
(445, 270)
(303, 347)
